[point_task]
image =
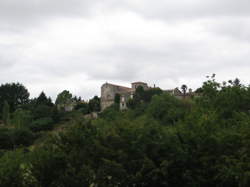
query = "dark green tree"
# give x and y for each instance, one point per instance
(64, 100)
(6, 113)
(83, 107)
(167, 109)
(236, 82)
(43, 100)
(22, 118)
(15, 94)
(95, 104)
(64, 97)
(184, 89)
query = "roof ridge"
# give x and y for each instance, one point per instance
(118, 85)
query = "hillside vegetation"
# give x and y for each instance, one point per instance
(159, 141)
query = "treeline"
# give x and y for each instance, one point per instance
(159, 141)
(23, 120)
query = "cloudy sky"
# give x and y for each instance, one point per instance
(78, 45)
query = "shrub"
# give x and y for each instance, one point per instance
(11, 138)
(41, 124)
(5, 139)
(22, 137)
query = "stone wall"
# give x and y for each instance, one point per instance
(108, 92)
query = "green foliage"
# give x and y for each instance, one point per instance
(83, 107)
(21, 118)
(184, 89)
(167, 109)
(64, 100)
(15, 94)
(42, 111)
(65, 97)
(6, 141)
(43, 100)
(13, 138)
(47, 167)
(142, 96)
(22, 137)
(42, 124)
(110, 113)
(11, 173)
(6, 113)
(94, 104)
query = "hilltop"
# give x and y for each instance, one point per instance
(159, 140)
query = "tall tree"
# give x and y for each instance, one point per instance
(236, 82)
(184, 89)
(94, 104)
(64, 99)
(43, 100)
(6, 113)
(15, 94)
(21, 118)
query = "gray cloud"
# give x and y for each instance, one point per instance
(78, 45)
(17, 15)
(188, 9)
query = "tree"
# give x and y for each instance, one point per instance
(142, 97)
(167, 109)
(236, 82)
(43, 100)
(64, 99)
(94, 104)
(42, 111)
(150, 93)
(83, 107)
(184, 89)
(21, 118)
(15, 94)
(6, 113)
(138, 97)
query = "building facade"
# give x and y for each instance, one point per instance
(109, 92)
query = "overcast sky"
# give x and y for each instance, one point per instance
(52, 45)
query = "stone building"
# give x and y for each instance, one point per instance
(109, 91)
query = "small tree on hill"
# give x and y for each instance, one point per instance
(64, 99)
(94, 104)
(184, 89)
(15, 94)
(43, 100)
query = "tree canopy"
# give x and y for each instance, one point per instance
(15, 94)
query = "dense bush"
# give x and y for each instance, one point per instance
(42, 124)
(22, 137)
(13, 138)
(167, 109)
(5, 139)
